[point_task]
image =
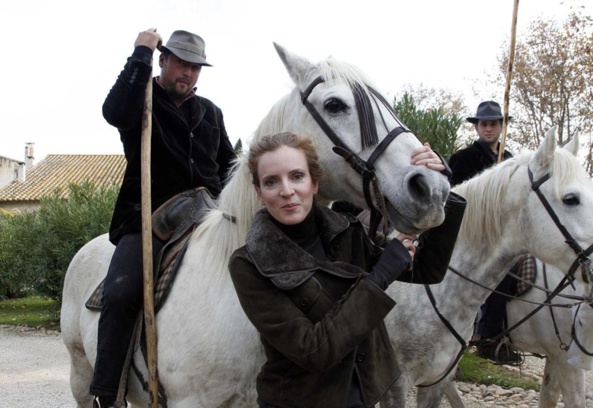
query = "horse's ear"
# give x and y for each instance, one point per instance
(544, 156)
(297, 67)
(573, 145)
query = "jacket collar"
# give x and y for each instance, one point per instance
(279, 258)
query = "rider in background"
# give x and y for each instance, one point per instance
(312, 283)
(465, 164)
(190, 149)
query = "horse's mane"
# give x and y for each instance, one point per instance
(225, 228)
(486, 192)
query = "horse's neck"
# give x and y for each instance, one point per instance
(482, 261)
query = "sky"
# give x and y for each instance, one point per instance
(61, 57)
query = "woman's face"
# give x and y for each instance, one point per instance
(285, 185)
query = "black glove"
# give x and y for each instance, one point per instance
(394, 260)
(435, 246)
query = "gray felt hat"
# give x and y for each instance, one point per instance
(187, 46)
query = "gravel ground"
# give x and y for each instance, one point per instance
(34, 369)
(34, 374)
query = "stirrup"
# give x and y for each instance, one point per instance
(510, 352)
(110, 403)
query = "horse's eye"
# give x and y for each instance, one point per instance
(571, 199)
(334, 105)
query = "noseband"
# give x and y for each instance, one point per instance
(583, 261)
(364, 168)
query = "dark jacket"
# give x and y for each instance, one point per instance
(468, 162)
(319, 320)
(190, 147)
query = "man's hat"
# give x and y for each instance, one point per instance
(488, 110)
(187, 46)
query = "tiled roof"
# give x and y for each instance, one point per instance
(58, 170)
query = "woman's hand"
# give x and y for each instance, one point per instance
(424, 156)
(408, 241)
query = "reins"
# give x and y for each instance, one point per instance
(369, 138)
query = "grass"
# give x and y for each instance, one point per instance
(478, 370)
(32, 311)
(42, 312)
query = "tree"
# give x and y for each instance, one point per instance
(552, 79)
(432, 125)
(448, 102)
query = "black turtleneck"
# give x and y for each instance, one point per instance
(306, 235)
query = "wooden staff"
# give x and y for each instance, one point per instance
(507, 91)
(147, 267)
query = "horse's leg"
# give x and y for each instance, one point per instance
(571, 383)
(431, 397)
(453, 396)
(550, 389)
(81, 375)
(395, 397)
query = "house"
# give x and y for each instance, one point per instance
(11, 169)
(56, 171)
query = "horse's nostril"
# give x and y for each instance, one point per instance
(418, 187)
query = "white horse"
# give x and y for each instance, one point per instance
(208, 352)
(563, 334)
(503, 220)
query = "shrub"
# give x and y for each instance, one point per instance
(37, 247)
(17, 247)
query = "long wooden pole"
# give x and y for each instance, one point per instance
(147, 266)
(507, 91)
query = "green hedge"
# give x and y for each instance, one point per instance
(36, 247)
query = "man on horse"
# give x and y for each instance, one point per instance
(465, 164)
(190, 148)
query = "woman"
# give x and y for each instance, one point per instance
(302, 280)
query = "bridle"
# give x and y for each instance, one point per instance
(582, 261)
(369, 138)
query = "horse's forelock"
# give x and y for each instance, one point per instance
(566, 169)
(334, 71)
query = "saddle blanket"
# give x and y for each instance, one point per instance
(171, 260)
(527, 270)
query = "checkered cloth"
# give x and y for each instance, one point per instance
(527, 270)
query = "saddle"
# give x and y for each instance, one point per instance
(173, 222)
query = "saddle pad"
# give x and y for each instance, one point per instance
(171, 259)
(527, 270)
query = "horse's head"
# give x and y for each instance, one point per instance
(335, 103)
(561, 206)
(538, 202)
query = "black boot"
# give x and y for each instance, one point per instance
(500, 352)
